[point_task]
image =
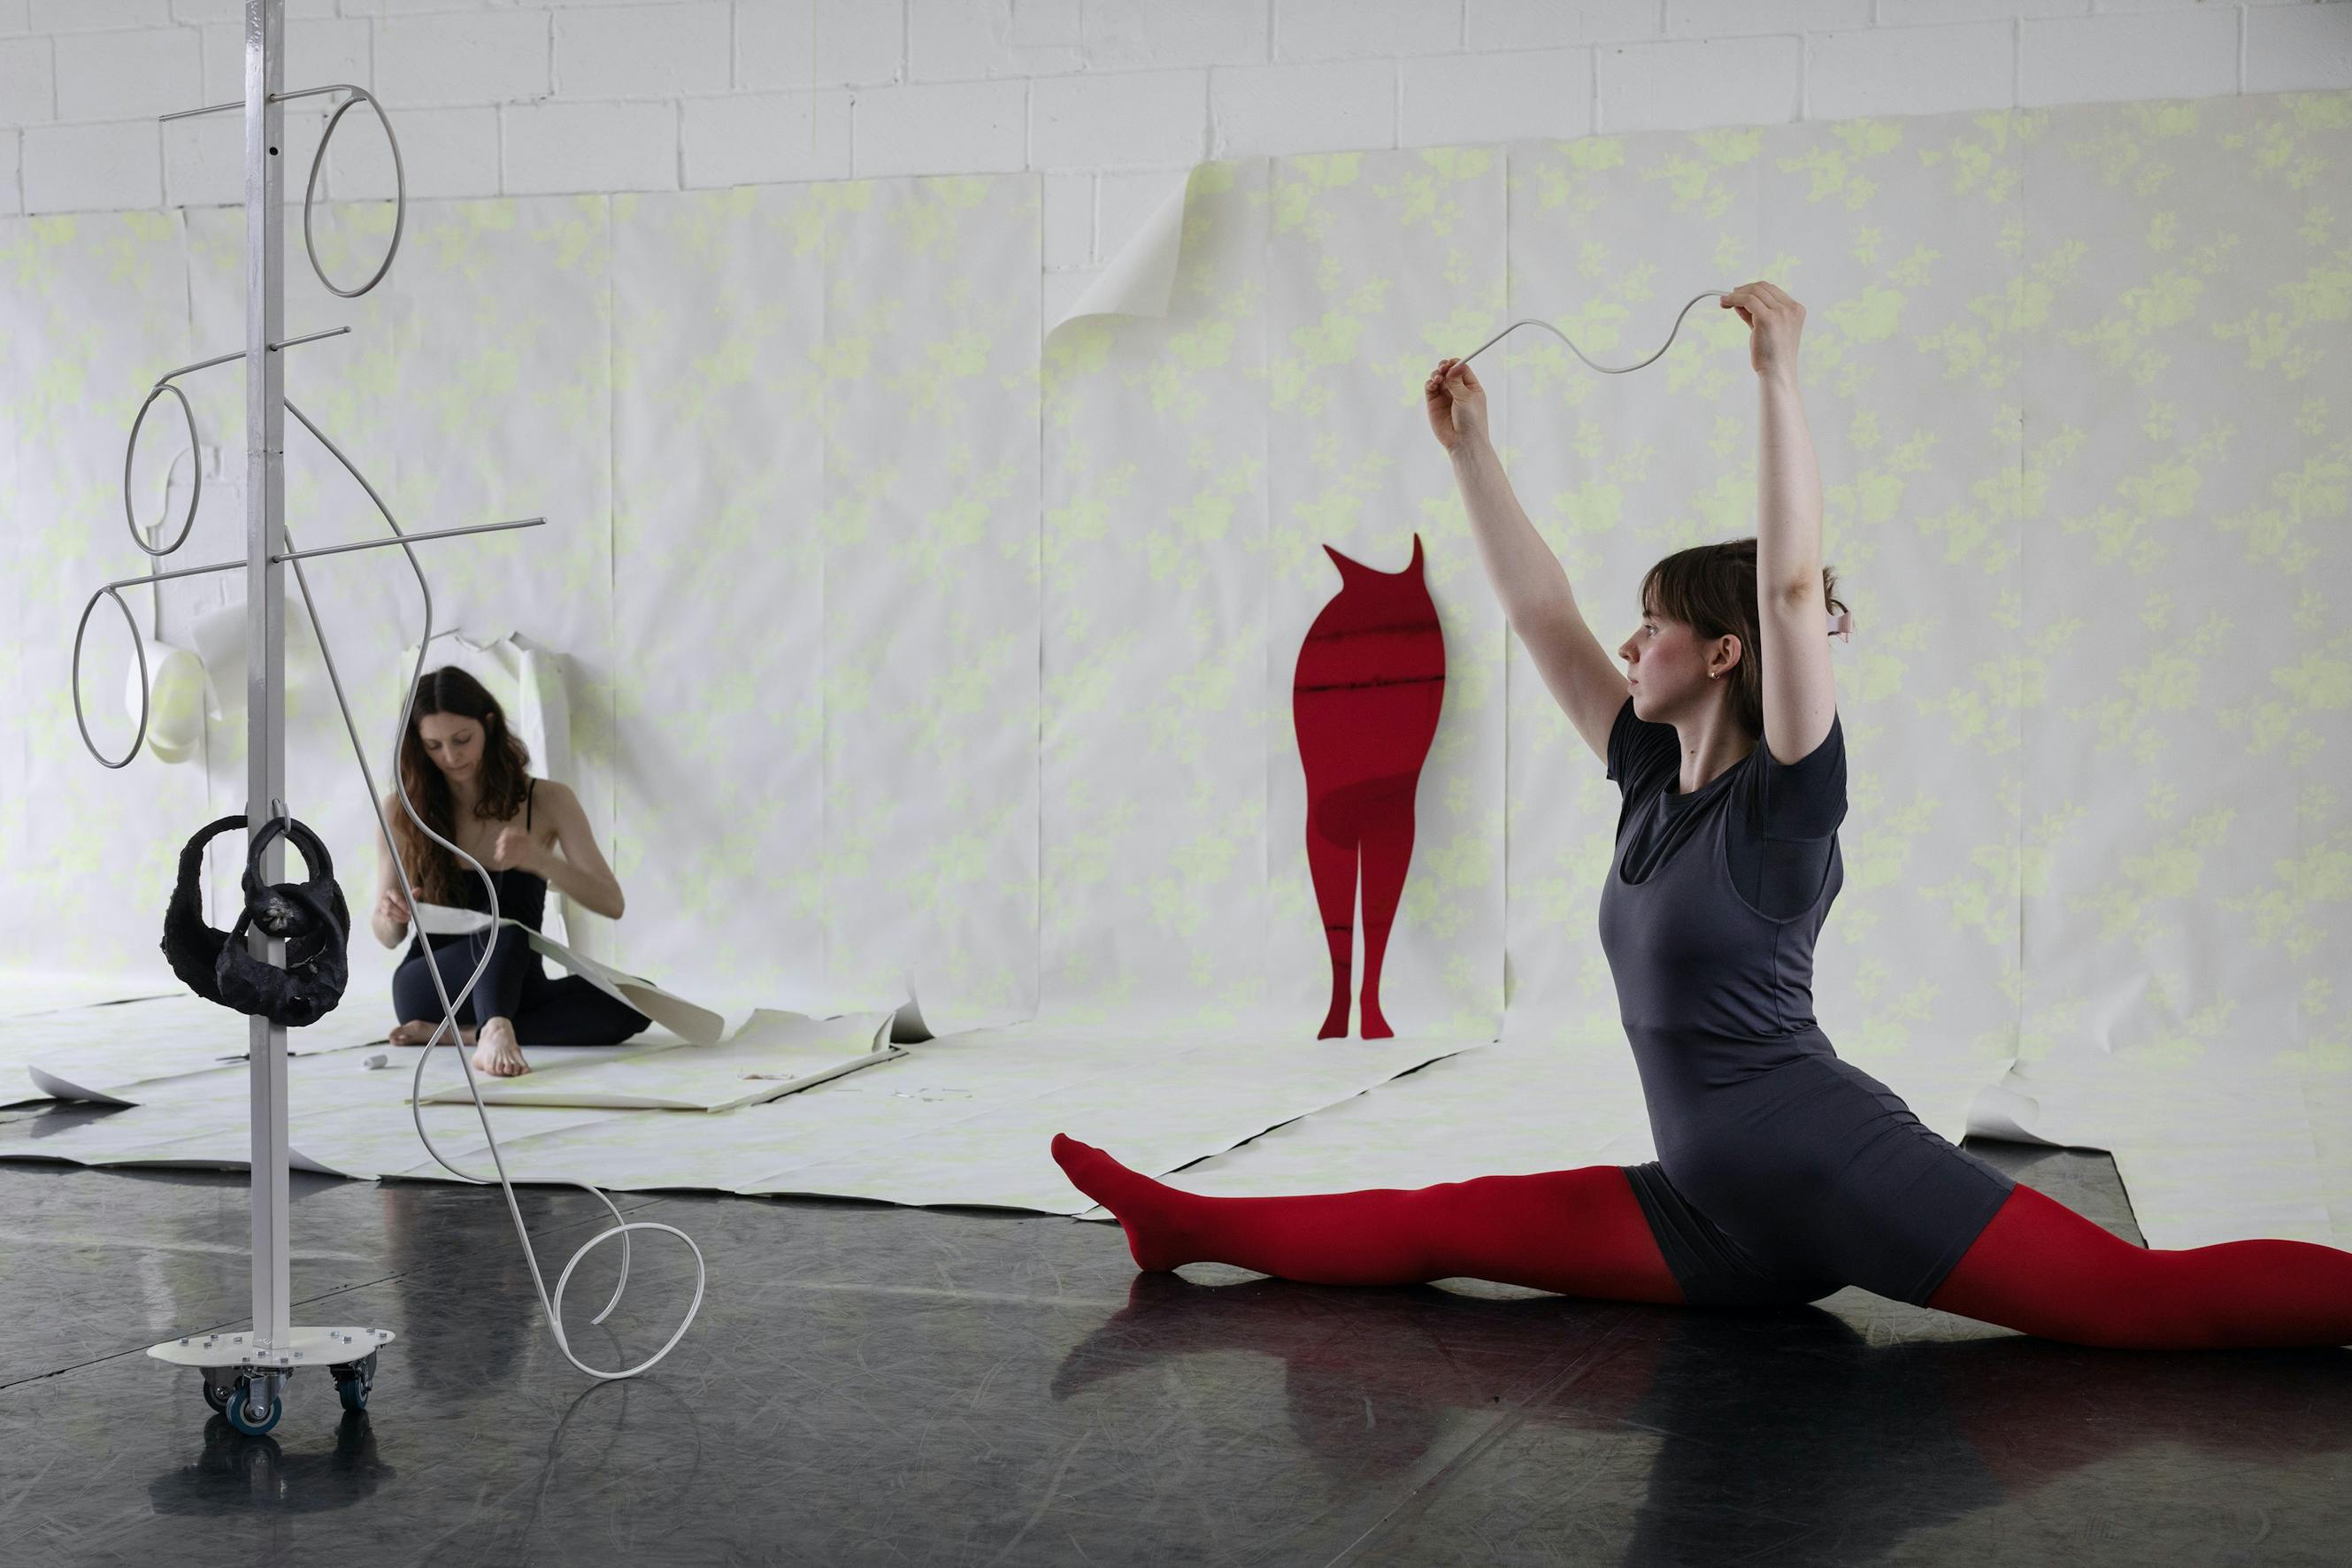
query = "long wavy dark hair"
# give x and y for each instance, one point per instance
(505, 776)
(1711, 588)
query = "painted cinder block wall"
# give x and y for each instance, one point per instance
(1107, 99)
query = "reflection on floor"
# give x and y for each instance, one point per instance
(870, 1383)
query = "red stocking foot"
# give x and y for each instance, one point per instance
(1148, 1212)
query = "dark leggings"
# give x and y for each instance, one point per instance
(545, 1010)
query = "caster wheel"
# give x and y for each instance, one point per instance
(242, 1419)
(216, 1389)
(353, 1380)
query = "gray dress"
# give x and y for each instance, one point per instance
(1783, 1173)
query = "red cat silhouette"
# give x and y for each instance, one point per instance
(1369, 681)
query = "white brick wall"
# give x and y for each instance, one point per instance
(317, 52)
(555, 147)
(119, 75)
(1686, 82)
(499, 57)
(1110, 99)
(1330, 106)
(2175, 53)
(28, 93)
(767, 138)
(1132, 117)
(92, 168)
(1448, 99)
(1910, 71)
(645, 51)
(2302, 48)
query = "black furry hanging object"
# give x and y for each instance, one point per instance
(310, 915)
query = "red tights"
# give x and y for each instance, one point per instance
(2041, 1268)
(2038, 1266)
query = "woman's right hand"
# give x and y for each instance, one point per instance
(1457, 404)
(390, 909)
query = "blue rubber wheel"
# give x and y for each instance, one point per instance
(242, 1419)
(353, 1380)
(215, 1395)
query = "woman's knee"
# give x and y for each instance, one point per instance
(412, 991)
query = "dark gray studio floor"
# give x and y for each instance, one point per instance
(875, 1385)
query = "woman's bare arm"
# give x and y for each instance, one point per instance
(580, 871)
(1533, 589)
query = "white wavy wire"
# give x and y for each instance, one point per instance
(554, 1305)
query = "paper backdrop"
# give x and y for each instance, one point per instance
(900, 646)
(2085, 485)
(806, 508)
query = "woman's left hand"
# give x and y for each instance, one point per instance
(1775, 321)
(515, 847)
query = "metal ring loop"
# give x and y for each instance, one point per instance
(400, 185)
(137, 648)
(131, 446)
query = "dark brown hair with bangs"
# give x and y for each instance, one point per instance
(1711, 588)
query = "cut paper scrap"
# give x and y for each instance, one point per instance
(1365, 695)
(690, 1020)
(775, 1053)
(1140, 278)
(98, 1053)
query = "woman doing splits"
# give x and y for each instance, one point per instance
(468, 775)
(1783, 1173)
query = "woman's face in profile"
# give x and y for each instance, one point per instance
(1651, 650)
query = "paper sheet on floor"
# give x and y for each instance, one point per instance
(28, 991)
(774, 1053)
(99, 1053)
(341, 1118)
(2206, 1150)
(967, 1118)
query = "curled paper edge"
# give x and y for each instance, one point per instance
(1138, 280)
(2002, 1112)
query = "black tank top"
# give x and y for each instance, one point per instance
(522, 896)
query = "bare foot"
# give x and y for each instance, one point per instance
(417, 1031)
(499, 1054)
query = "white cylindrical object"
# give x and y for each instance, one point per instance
(176, 716)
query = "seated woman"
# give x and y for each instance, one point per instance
(468, 777)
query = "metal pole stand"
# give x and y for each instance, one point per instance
(245, 1374)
